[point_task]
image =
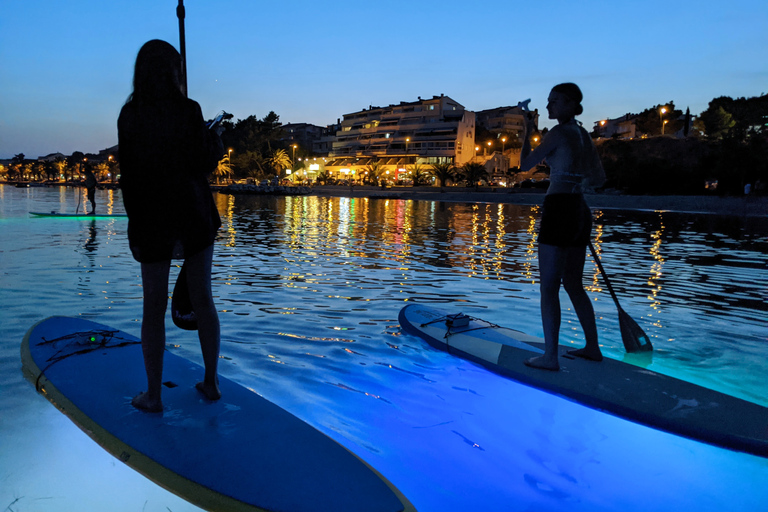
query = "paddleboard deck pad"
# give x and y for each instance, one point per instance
(625, 390)
(82, 215)
(241, 452)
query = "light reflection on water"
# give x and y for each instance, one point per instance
(309, 290)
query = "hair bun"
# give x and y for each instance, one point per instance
(572, 92)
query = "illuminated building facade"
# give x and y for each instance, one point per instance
(396, 137)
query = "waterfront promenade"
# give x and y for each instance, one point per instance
(752, 206)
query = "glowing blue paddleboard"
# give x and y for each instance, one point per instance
(239, 453)
(618, 388)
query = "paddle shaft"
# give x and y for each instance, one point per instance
(605, 276)
(633, 336)
(181, 13)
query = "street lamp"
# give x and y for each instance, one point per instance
(229, 164)
(662, 110)
(293, 155)
(503, 142)
(489, 143)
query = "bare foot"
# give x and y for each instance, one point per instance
(590, 355)
(211, 392)
(144, 403)
(543, 364)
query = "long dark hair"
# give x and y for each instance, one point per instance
(157, 74)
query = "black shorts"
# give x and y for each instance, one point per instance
(566, 221)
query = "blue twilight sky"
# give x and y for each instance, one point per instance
(66, 66)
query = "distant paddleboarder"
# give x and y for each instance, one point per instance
(166, 155)
(566, 221)
(90, 187)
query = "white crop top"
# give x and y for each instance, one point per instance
(574, 163)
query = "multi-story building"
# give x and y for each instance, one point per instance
(323, 145)
(427, 131)
(624, 127)
(303, 135)
(509, 121)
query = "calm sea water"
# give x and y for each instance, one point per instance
(309, 289)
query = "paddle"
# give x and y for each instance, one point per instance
(181, 305)
(182, 313)
(634, 338)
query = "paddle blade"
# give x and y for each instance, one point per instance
(634, 338)
(183, 315)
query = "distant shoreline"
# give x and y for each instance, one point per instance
(752, 206)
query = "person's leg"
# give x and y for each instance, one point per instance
(92, 199)
(154, 278)
(199, 282)
(551, 261)
(573, 284)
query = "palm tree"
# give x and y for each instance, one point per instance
(27, 171)
(443, 172)
(323, 177)
(223, 169)
(419, 174)
(280, 161)
(74, 163)
(474, 173)
(374, 170)
(250, 164)
(14, 171)
(38, 170)
(100, 170)
(58, 167)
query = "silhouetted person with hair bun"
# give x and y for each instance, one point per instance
(166, 155)
(566, 221)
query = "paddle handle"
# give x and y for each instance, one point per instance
(605, 276)
(181, 14)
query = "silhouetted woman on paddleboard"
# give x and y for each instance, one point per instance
(166, 155)
(566, 221)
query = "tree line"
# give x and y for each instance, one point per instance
(67, 168)
(727, 150)
(738, 119)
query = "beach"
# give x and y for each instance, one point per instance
(746, 206)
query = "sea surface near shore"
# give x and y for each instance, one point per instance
(749, 206)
